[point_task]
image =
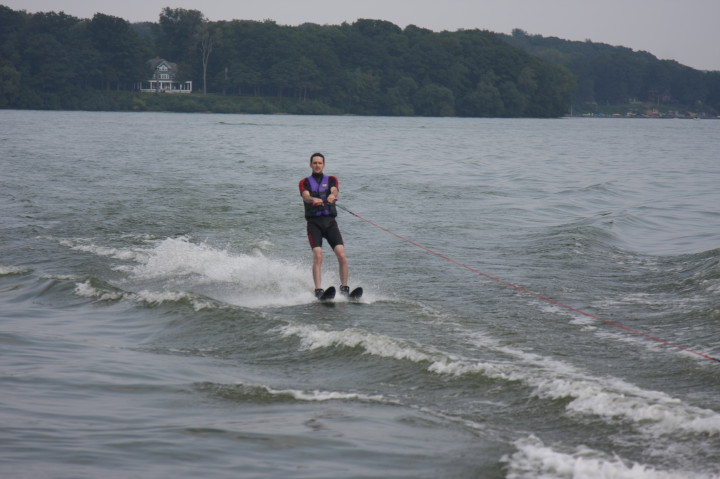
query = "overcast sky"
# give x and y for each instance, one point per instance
(684, 30)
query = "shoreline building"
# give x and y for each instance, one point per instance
(163, 79)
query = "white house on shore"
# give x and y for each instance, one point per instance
(163, 79)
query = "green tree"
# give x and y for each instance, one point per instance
(9, 86)
(122, 54)
(398, 99)
(514, 103)
(435, 100)
(362, 91)
(205, 37)
(712, 82)
(13, 26)
(178, 33)
(484, 101)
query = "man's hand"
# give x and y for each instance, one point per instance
(317, 202)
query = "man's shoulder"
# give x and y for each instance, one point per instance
(304, 184)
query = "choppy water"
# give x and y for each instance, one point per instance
(156, 316)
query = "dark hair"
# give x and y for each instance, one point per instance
(317, 154)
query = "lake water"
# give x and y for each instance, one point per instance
(542, 298)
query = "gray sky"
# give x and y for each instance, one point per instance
(682, 30)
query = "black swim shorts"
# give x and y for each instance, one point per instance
(323, 227)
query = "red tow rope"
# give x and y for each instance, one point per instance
(523, 290)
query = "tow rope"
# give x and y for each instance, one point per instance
(526, 291)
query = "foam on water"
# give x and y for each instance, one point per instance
(653, 412)
(178, 266)
(87, 290)
(320, 396)
(79, 244)
(312, 337)
(242, 389)
(533, 459)
(152, 298)
(6, 270)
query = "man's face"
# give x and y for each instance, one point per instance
(317, 164)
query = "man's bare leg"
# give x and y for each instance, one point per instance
(317, 267)
(342, 263)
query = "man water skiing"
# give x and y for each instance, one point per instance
(319, 193)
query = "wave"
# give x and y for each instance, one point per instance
(261, 393)
(534, 459)
(654, 412)
(634, 283)
(156, 268)
(91, 289)
(700, 272)
(6, 270)
(60, 287)
(678, 291)
(178, 270)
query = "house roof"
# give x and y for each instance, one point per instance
(157, 61)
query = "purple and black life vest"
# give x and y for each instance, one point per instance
(319, 190)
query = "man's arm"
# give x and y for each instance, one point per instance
(333, 196)
(305, 193)
(309, 199)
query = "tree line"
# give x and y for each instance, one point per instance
(370, 67)
(617, 75)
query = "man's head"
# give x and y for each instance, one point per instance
(317, 162)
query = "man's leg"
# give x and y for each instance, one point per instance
(317, 266)
(342, 263)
